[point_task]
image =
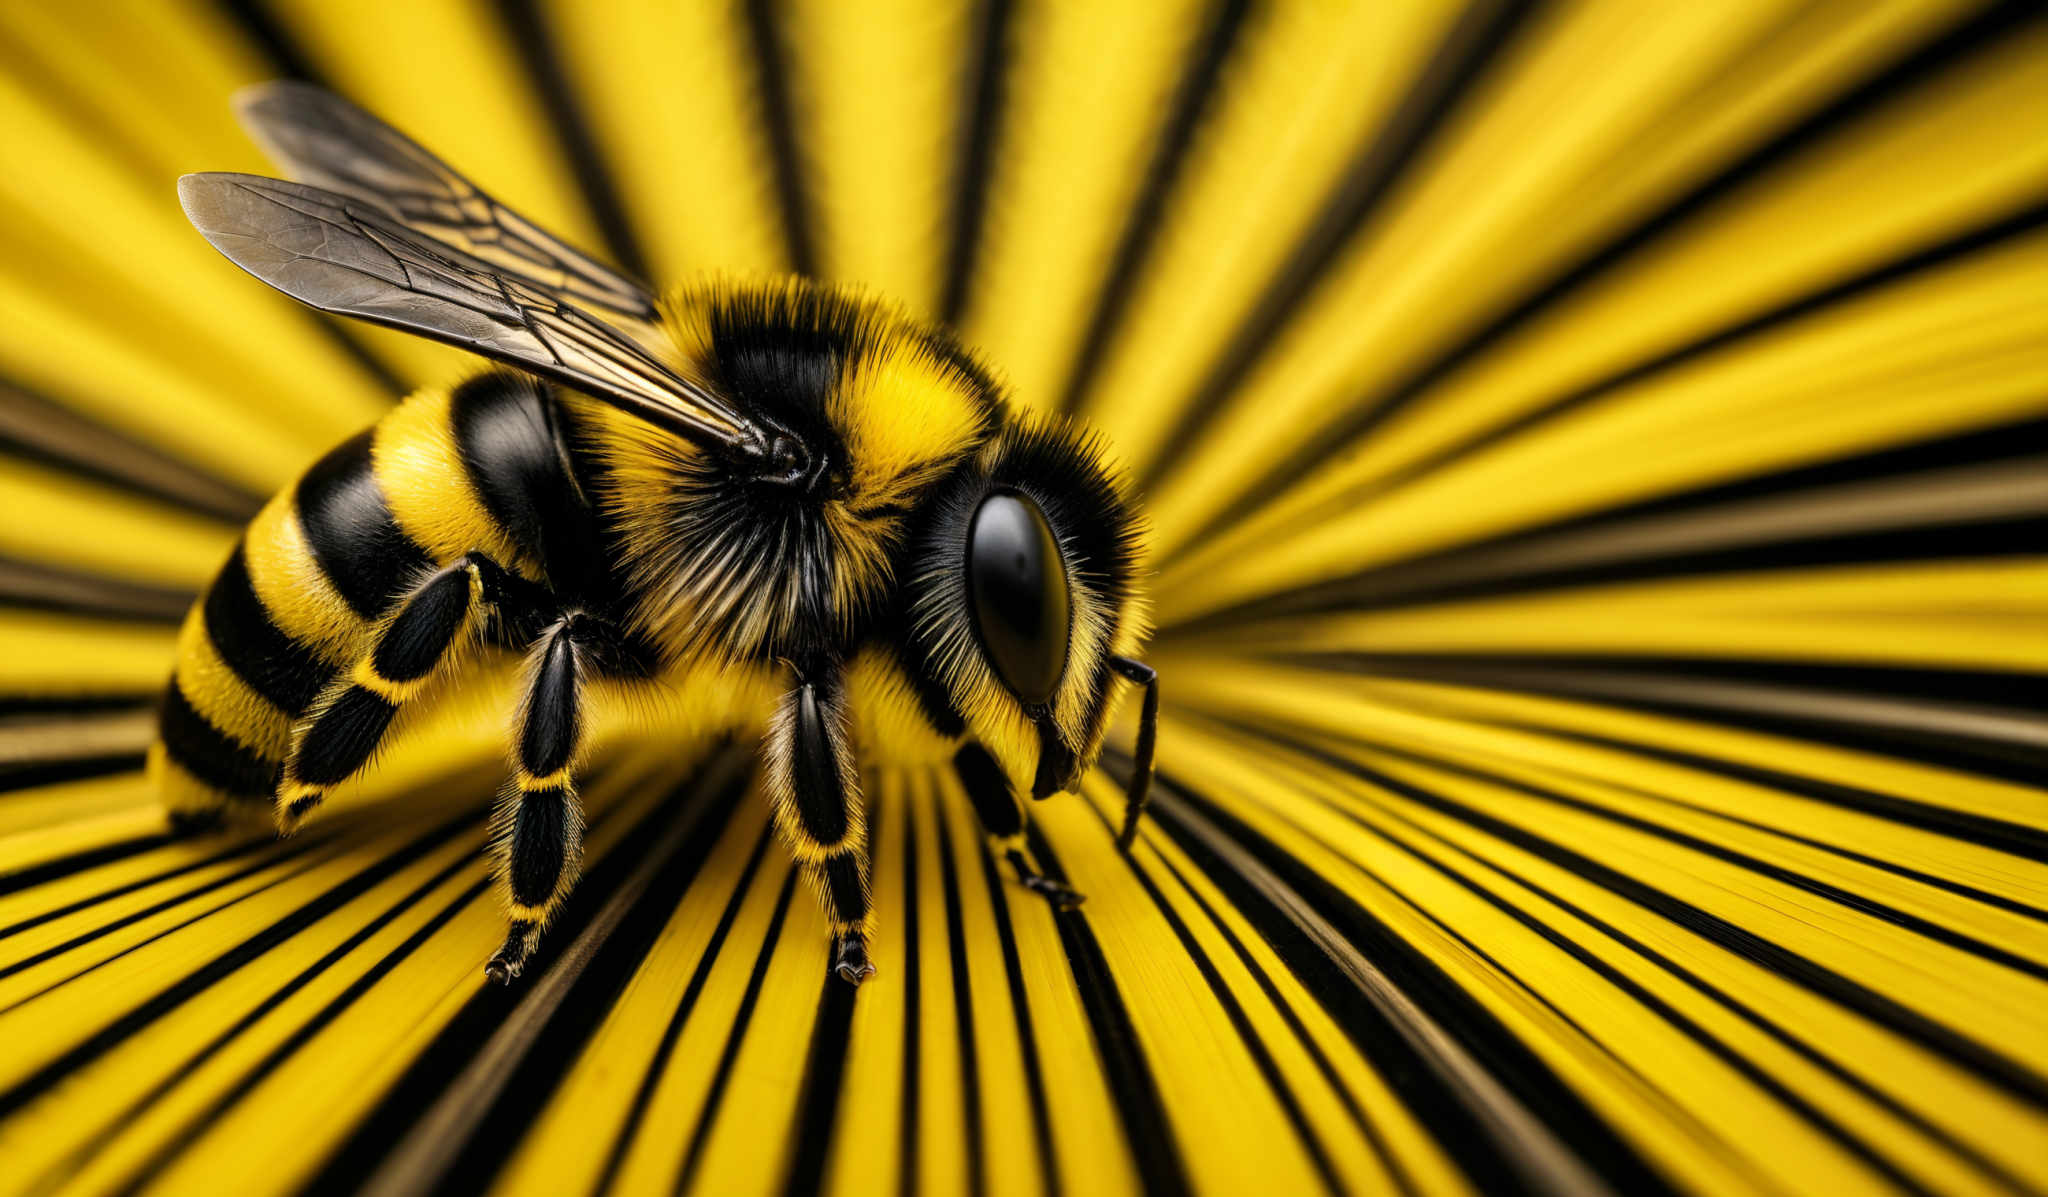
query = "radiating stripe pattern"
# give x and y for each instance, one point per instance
(1597, 457)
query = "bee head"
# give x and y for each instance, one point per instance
(1024, 594)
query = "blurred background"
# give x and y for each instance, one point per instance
(1597, 455)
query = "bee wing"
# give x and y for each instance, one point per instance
(321, 139)
(354, 258)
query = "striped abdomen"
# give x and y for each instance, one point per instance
(294, 607)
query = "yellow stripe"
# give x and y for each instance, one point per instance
(560, 779)
(560, 1154)
(428, 489)
(1858, 946)
(1959, 348)
(175, 789)
(301, 600)
(51, 654)
(57, 518)
(223, 699)
(1405, 1138)
(878, 133)
(1086, 87)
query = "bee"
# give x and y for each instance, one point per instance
(774, 483)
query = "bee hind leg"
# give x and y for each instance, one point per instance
(537, 828)
(420, 640)
(995, 803)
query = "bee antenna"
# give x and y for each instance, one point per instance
(1139, 795)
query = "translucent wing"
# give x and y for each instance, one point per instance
(355, 258)
(321, 139)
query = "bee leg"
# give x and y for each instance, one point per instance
(537, 828)
(814, 789)
(1003, 819)
(418, 641)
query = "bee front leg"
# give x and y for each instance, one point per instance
(814, 787)
(537, 828)
(995, 804)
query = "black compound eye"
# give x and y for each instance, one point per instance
(1017, 585)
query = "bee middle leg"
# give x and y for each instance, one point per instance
(537, 827)
(995, 803)
(814, 787)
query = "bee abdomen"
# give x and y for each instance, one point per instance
(297, 602)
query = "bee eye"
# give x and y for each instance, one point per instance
(1017, 584)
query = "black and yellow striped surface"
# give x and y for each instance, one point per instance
(1598, 461)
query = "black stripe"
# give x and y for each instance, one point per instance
(650, 1080)
(511, 448)
(1477, 37)
(982, 103)
(279, 854)
(1692, 1030)
(1981, 538)
(285, 673)
(303, 1034)
(1420, 1084)
(121, 891)
(537, 44)
(40, 586)
(208, 754)
(352, 533)
(824, 1076)
(1247, 1034)
(342, 740)
(1396, 1170)
(714, 1098)
(1020, 1007)
(911, 1093)
(817, 1108)
(1191, 104)
(2018, 692)
(1982, 830)
(44, 872)
(1762, 868)
(1984, 1061)
(1147, 1129)
(1581, 679)
(778, 125)
(40, 429)
(226, 964)
(538, 1073)
(1932, 59)
(21, 774)
(275, 42)
(16, 705)
(963, 1008)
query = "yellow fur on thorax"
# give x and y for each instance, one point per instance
(905, 418)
